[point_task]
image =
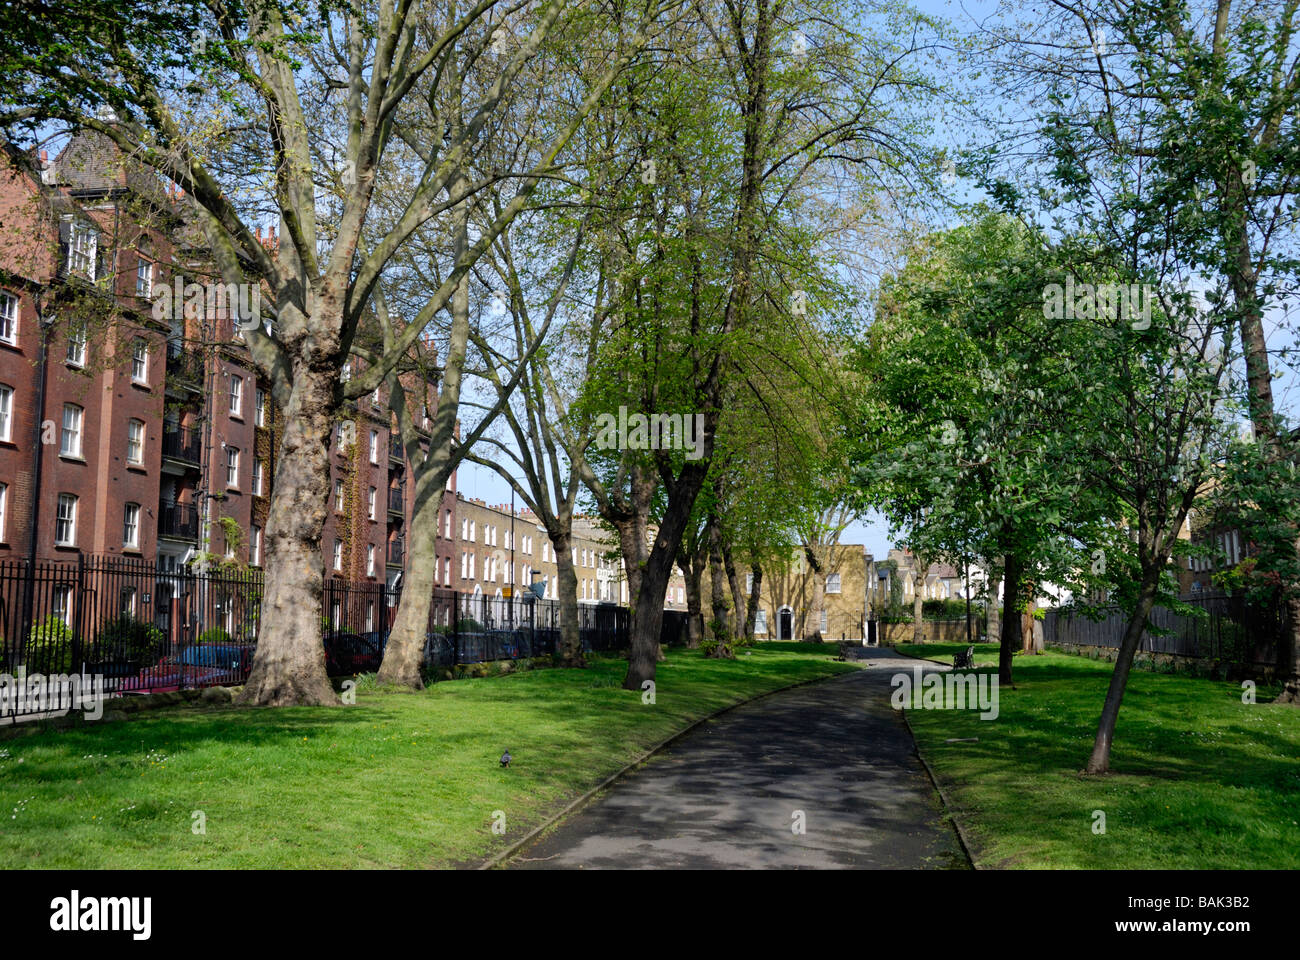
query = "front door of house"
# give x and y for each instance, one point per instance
(786, 625)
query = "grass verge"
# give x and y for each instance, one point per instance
(398, 780)
(1200, 780)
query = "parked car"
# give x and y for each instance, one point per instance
(347, 654)
(198, 665)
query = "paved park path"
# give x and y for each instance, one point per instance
(725, 795)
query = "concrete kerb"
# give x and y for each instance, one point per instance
(948, 806)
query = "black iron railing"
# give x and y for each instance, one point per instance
(184, 367)
(141, 629)
(181, 443)
(179, 520)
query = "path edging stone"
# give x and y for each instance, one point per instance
(948, 806)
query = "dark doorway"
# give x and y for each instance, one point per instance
(785, 625)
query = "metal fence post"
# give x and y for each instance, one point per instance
(79, 619)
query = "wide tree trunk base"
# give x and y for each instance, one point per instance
(401, 664)
(286, 692)
(399, 677)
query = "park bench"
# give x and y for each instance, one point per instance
(967, 659)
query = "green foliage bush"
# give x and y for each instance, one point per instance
(214, 635)
(708, 646)
(49, 647)
(951, 609)
(130, 639)
(468, 625)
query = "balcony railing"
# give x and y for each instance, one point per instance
(181, 443)
(396, 552)
(395, 450)
(397, 501)
(180, 520)
(184, 367)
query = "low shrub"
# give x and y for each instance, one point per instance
(127, 638)
(49, 647)
(214, 635)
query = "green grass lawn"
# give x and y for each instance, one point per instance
(398, 780)
(1199, 779)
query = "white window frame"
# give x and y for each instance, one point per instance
(83, 249)
(131, 525)
(833, 578)
(255, 546)
(8, 318)
(374, 446)
(73, 432)
(6, 412)
(140, 361)
(76, 352)
(135, 440)
(258, 471)
(66, 518)
(372, 499)
(147, 267)
(4, 509)
(236, 395)
(370, 559)
(338, 554)
(338, 496)
(232, 468)
(259, 414)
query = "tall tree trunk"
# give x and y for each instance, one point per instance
(1259, 382)
(816, 578)
(1012, 575)
(693, 568)
(1028, 638)
(755, 597)
(289, 665)
(648, 611)
(737, 593)
(404, 652)
(570, 651)
(992, 622)
(918, 604)
(1099, 762)
(719, 588)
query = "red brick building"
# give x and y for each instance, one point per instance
(132, 419)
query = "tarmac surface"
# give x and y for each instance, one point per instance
(831, 757)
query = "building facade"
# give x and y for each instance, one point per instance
(132, 418)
